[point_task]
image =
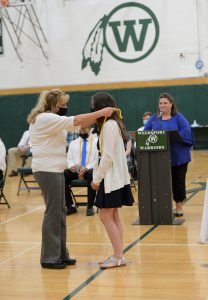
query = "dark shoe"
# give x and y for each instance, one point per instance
(71, 210)
(61, 265)
(90, 211)
(70, 262)
(13, 173)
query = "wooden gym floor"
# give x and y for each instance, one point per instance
(163, 262)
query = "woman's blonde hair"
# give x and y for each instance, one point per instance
(47, 101)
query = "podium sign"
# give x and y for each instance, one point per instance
(1, 38)
(151, 141)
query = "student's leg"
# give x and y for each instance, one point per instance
(119, 224)
(107, 218)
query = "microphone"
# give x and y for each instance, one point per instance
(160, 115)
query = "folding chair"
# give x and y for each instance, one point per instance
(78, 183)
(2, 183)
(25, 180)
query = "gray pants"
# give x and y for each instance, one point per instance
(54, 224)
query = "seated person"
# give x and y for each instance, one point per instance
(2, 159)
(146, 117)
(82, 156)
(23, 148)
(130, 156)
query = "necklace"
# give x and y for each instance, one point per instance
(101, 137)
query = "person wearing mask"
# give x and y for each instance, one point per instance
(48, 131)
(146, 117)
(82, 156)
(2, 159)
(168, 118)
(111, 178)
(23, 148)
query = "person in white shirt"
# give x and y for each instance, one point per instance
(48, 131)
(2, 159)
(81, 165)
(111, 178)
(23, 148)
(146, 117)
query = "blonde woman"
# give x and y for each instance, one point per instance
(48, 129)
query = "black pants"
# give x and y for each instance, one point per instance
(179, 182)
(90, 192)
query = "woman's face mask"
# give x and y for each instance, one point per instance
(62, 111)
(145, 121)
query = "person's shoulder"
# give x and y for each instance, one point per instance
(111, 124)
(94, 137)
(179, 115)
(75, 141)
(140, 128)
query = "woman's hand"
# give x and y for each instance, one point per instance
(107, 111)
(95, 186)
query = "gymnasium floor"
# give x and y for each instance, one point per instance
(163, 262)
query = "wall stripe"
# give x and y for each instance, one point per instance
(106, 86)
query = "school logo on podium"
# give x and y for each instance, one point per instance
(129, 33)
(152, 139)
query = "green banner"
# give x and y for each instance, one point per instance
(1, 39)
(151, 140)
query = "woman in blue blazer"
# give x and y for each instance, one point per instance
(168, 118)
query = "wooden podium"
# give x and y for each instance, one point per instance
(154, 177)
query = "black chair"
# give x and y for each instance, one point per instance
(2, 183)
(26, 182)
(78, 183)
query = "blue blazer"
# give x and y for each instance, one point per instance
(180, 153)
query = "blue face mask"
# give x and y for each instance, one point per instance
(145, 122)
(62, 111)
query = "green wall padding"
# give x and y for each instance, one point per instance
(191, 101)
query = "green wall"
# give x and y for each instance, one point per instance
(191, 100)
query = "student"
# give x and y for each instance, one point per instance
(111, 178)
(146, 117)
(23, 148)
(82, 156)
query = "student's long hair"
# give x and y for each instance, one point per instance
(174, 109)
(102, 100)
(47, 101)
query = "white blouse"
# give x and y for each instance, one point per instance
(48, 139)
(113, 165)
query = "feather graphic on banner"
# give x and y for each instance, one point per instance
(93, 49)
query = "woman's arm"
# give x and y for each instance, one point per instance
(184, 129)
(87, 119)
